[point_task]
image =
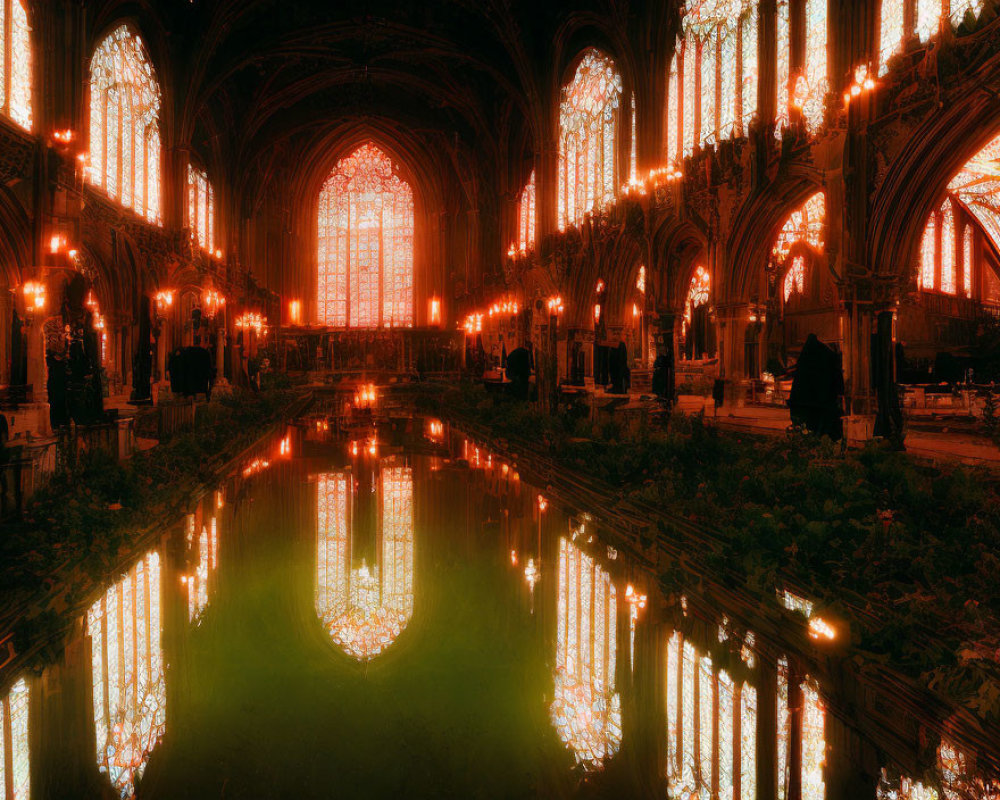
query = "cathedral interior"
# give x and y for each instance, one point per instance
(492, 398)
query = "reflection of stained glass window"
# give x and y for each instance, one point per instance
(365, 252)
(748, 743)
(125, 123)
(127, 666)
(586, 709)
(15, 760)
(205, 549)
(587, 125)
(707, 749)
(903, 788)
(365, 607)
(526, 216)
(795, 278)
(784, 728)
(201, 208)
(813, 743)
(15, 82)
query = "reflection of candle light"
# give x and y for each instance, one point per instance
(295, 311)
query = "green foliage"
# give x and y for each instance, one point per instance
(907, 553)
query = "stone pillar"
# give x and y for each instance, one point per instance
(220, 353)
(852, 767)
(858, 325)
(732, 321)
(767, 727)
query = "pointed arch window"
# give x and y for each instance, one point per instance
(939, 253)
(365, 256)
(16, 63)
(712, 86)
(125, 123)
(901, 19)
(526, 216)
(804, 225)
(588, 125)
(795, 278)
(201, 208)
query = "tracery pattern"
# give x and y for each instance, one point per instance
(805, 225)
(977, 188)
(784, 728)
(698, 292)
(526, 216)
(938, 252)
(586, 709)
(813, 743)
(814, 83)
(715, 68)
(15, 52)
(783, 65)
(15, 761)
(588, 115)
(703, 706)
(201, 208)
(891, 31)
(365, 254)
(365, 608)
(125, 123)
(127, 668)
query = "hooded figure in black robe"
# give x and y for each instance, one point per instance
(518, 372)
(817, 390)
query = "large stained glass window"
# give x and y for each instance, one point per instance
(698, 293)
(15, 63)
(201, 208)
(15, 763)
(127, 668)
(805, 225)
(784, 64)
(813, 743)
(363, 606)
(125, 123)
(892, 31)
(977, 188)
(784, 730)
(795, 278)
(813, 83)
(705, 708)
(712, 87)
(526, 216)
(588, 122)
(586, 709)
(365, 256)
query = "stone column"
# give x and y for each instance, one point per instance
(767, 727)
(852, 767)
(732, 321)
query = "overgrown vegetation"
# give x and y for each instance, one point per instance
(908, 553)
(85, 515)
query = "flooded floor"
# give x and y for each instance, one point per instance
(385, 614)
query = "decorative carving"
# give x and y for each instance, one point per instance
(17, 154)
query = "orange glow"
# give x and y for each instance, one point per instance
(542, 503)
(435, 311)
(295, 311)
(819, 628)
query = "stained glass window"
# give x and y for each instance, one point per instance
(15, 763)
(892, 31)
(967, 261)
(938, 252)
(201, 209)
(673, 684)
(633, 165)
(725, 743)
(947, 248)
(688, 733)
(928, 18)
(977, 188)
(526, 216)
(813, 743)
(783, 64)
(365, 253)
(365, 607)
(706, 728)
(804, 225)
(125, 123)
(901, 787)
(586, 709)
(816, 81)
(127, 668)
(588, 115)
(15, 63)
(959, 8)
(715, 69)
(795, 278)
(698, 292)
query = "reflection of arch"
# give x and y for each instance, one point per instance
(587, 708)
(365, 607)
(127, 672)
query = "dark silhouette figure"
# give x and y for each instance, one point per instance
(519, 372)
(618, 369)
(818, 390)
